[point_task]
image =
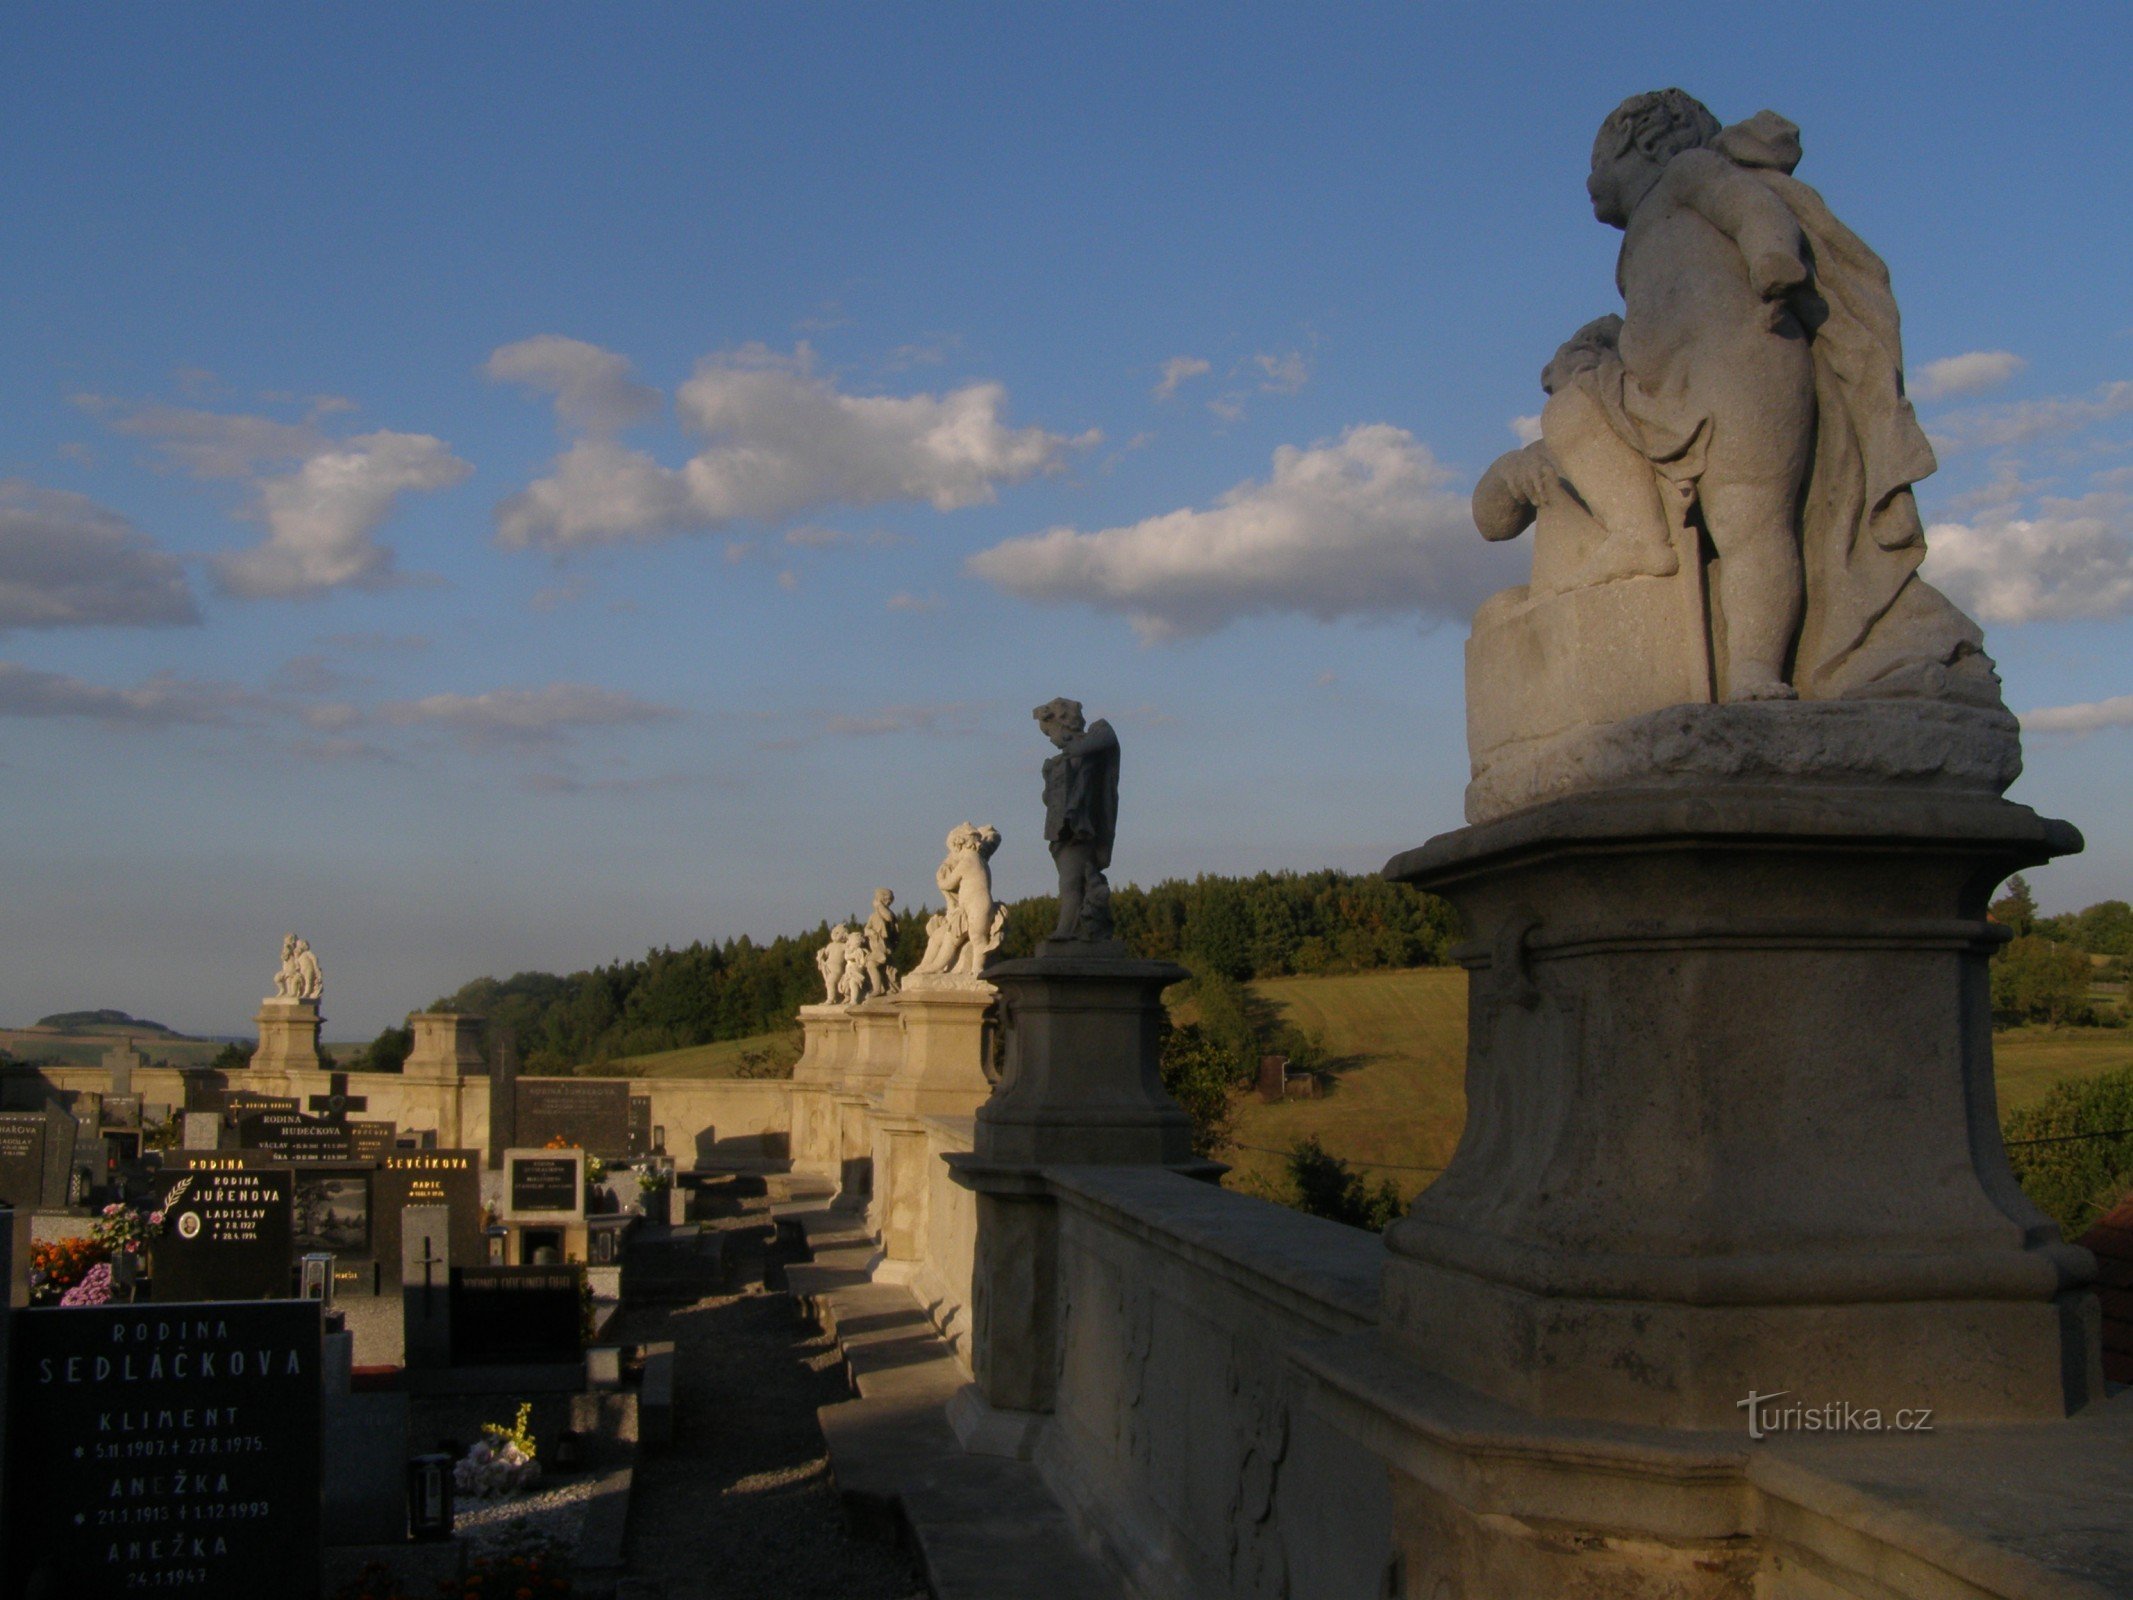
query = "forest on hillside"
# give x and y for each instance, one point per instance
(1236, 929)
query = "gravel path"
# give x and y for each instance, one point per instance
(740, 1506)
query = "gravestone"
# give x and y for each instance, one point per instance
(22, 1159)
(205, 1091)
(586, 1112)
(337, 1102)
(370, 1140)
(447, 1178)
(121, 1111)
(201, 1130)
(164, 1449)
(332, 1211)
(240, 1103)
(292, 1137)
(227, 1234)
(512, 1316)
(119, 1062)
(425, 1284)
(640, 1126)
(37, 1158)
(544, 1186)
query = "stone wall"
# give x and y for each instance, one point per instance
(1181, 1442)
(706, 1119)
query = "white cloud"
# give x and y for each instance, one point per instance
(1973, 372)
(67, 562)
(321, 507)
(598, 492)
(321, 517)
(209, 444)
(526, 716)
(1361, 526)
(2087, 717)
(160, 701)
(2020, 421)
(594, 388)
(782, 441)
(904, 600)
(1282, 374)
(1177, 370)
(1527, 430)
(2072, 559)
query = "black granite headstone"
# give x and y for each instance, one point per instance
(205, 1091)
(640, 1126)
(586, 1112)
(226, 1234)
(22, 1159)
(292, 1137)
(503, 1098)
(167, 1449)
(449, 1178)
(505, 1316)
(546, 1184)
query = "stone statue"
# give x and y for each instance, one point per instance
(1080, 815)
(299, 977)
(852, 977)
(1721, 492)
(877, 941)
(830, 962)
(963, 936)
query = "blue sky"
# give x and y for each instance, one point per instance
(500, 487)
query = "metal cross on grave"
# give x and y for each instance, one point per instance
(334, 1107)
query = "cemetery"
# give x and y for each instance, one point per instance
(271, 1330)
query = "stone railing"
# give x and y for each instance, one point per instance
(1181, 1440)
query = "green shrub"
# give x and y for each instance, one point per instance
(2035, 980)
(1326, 1187)
(2074, 1180)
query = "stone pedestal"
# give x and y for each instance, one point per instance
(825, 1050)
(288, 1037)
(940, 1071)
(876, 1050)
(1081, 1085)
(447, 1045)
(1731, 1124)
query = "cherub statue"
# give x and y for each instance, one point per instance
(852, 981)
(878, 940)
(1080, 815)
(285, 978)
(310, 983)
(1750, 395)
(962, 938)
(829, 961)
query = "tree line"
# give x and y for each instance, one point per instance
(1230, 930)
(2049, 971)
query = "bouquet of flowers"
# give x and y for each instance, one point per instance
(57, 1265)
(125, 1229)
(93, 1290)
(502, 1460)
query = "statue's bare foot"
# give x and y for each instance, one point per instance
(1763, 688)
(1631, 558)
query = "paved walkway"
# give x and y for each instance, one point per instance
(740, 1506)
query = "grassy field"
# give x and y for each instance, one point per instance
(723, 1059)
(2028, 1061)
(1397, 1101)
(87, 1049)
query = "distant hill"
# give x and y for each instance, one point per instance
(102, 1022)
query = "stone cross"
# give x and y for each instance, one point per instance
(335, 1106)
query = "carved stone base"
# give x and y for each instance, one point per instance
(1731, 1123)
(288, 1037)
(1934, 746)
(941, 1071)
